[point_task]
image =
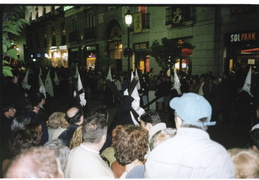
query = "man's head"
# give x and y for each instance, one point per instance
(35, 163)
(9, 110)
(94, 129)
(192, 109)
(32, 104)
(149, 119)
(161, 136)
(60, 150)
(75, 115)
(102, 111)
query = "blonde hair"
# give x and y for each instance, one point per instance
(77, 138)
(35, 162)
(246, 162)
(63, 122)
(55, 119)
(161, 136)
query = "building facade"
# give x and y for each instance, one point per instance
(222, 35)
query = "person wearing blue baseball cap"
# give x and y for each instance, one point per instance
(190, 153)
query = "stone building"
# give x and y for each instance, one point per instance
(222, 35)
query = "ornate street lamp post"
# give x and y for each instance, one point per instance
(128, 51)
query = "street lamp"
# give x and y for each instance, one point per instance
(128, 51)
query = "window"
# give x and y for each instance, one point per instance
(144, 16)
(63, 34)
(52, 10)
(31, 41)
(53, 37)
(45, 38)
(178, 15)
(30, 18)
(143, 9)
(44, 10)
(74, 24)
(90, 21)
(37, 39)
(36, 12)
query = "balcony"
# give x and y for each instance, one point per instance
(74, 36)
(90, 33)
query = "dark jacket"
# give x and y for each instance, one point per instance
(67, 135)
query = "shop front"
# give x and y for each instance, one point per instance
(57, 56)
(115, 52)
(90, 60)
(142, 61)
(243, 48)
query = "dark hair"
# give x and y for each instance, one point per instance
(254, 138)
(32, 127)
(76, 118)
(150, 116)
(94, 127)
(21, 140)
(101, 110)
(7, 106)
(130, 142)
(31, 102)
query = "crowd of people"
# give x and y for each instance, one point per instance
(38, 142)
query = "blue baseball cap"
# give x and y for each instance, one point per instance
(191, 107)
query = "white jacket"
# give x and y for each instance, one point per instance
(189, 154)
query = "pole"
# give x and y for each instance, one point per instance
(128, 47)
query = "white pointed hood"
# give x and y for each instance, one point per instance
(138, 84)
(41, 86)
(48, 85)
(40, 73)
(247, 84)
(109, 76)
(80, 87)
(56, 79)
(77, 72)
(25, 83)
(177, 83)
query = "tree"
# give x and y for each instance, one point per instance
(102, 63)
(169, 49)
(12, 26)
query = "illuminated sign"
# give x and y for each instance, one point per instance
(238, 37)
(66, 8)
(63, 47)
(53, 48)
(74, 49)
(90, 48)
(251, 61)
(141, 46)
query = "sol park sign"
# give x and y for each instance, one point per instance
(243, 37)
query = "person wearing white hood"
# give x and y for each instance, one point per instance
(129, 111)
(245, 108)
